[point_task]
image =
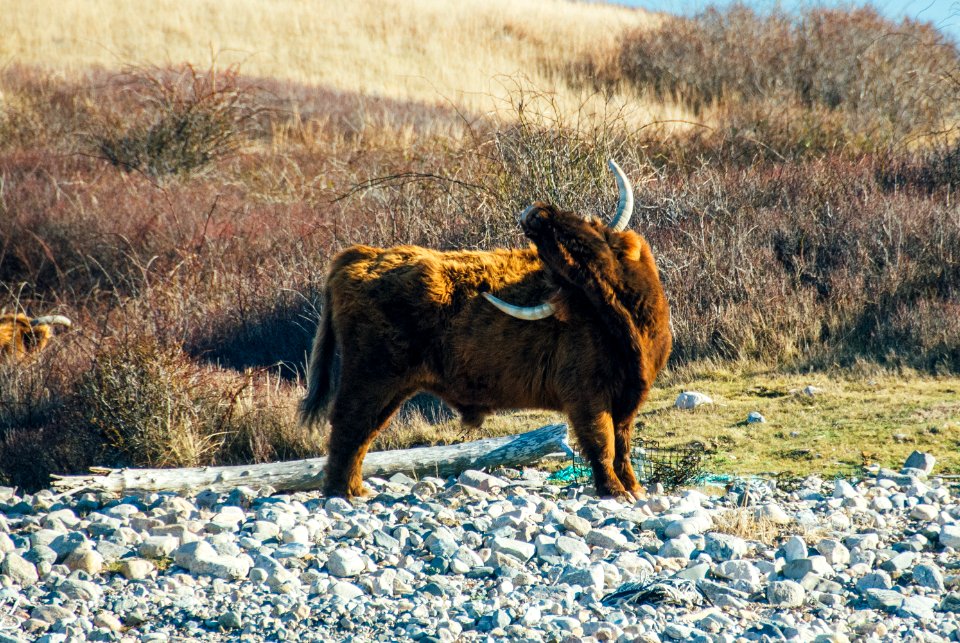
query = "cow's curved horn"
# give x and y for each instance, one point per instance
(621, 220)
(51, 320)
(529, 313)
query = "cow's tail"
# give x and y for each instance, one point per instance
(320, 370)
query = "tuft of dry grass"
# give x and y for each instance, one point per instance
(744, 522)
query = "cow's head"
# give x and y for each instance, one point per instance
(575, 249)
(20, 335)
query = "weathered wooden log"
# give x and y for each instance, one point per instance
(305, 475)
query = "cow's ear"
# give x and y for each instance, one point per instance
(561, 305)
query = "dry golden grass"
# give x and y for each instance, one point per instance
(467, 53)
(744, 523)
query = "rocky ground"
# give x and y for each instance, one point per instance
(490, 557)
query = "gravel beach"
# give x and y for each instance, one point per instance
(490, 557)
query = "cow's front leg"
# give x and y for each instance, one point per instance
(595, 434)
(622, 466)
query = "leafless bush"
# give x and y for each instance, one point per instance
(884, 80)
(186, 118)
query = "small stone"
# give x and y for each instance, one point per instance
(773, 512)
(928, 575)
(605, 538)
(576, 524)
(950, 603)
(567, 546)
(86, 560)
(917, 606)
(692, 525)
(884, 599)
(481, 480)
(21, 571)
(898, 563)
(691, 400)
(797, 569)
(843, 489)
(794, 548)
(874, 580)
(785, 593)
(230, 620)
(924, 512)
(590, 577)
(739, 570)
(679, 547)
(755, 417)
(833, 551)
(721, 547)
(50, 613)
(919, 460)
(201, 558)
(108, 621)
(346, 563)
(518, 549)
(157, 546)
(694, 572)
(80, 590)
(950, 536)
(136, 568)
(345, 590)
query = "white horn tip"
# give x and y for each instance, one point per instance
(526, 313)
(50, 320)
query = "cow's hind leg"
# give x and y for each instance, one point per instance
(595, 434)
(358, 415)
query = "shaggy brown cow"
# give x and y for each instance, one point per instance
(20, 335)
(408, 319)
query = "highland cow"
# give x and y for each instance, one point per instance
(20, 335)
(409, 319)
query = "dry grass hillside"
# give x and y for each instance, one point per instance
(469, 53)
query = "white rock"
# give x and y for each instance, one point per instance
(834, 551)
(345, 562)
(518, 549)
(345, 591)
(692, 399)
(158, 546)
(201, 558)
(481, 480)
(843, 489)
(924, 512)
(794, 548)
(741, 570)
(695, 524)
(919, 460)
(566, 545)
(721, 547)
(136, 568)
(606, 538)
(21, 571)
(950, 536)
(785, 593)
(773, 512)
(87, 560)
(679, 547)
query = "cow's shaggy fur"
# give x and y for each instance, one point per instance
(407, 319)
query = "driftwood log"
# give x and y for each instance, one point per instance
(306, 475)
